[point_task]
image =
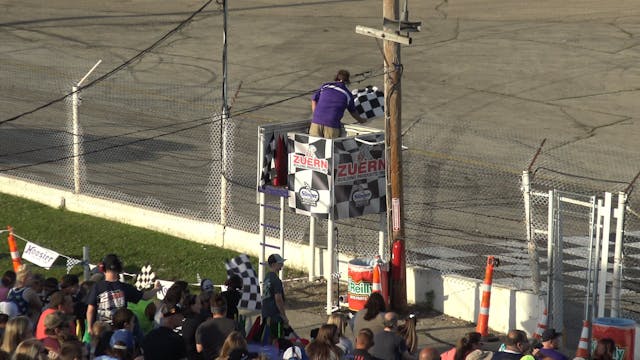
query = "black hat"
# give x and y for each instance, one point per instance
(275, 258)
(550, 334)
(111, 262)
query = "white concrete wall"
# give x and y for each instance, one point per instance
(453, 295)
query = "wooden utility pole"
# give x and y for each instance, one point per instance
(393, 138)
(393, 27)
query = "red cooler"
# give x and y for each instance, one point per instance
(622, 331)
(360, 274)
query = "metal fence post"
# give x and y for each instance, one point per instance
(534, 261)
(85, 263)
(617, 256)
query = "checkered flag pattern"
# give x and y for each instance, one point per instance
(146, 278)
(241, 266)
(369, 102)
(359, 177)
(268, 166)
(309, 180)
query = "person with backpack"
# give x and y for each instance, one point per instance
(26, 299)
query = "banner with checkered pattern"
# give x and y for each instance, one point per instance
(310, 171)
(359, 176)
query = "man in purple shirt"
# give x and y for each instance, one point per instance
(328, 105)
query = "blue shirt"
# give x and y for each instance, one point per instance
(331, 101)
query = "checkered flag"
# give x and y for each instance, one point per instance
(241, 266)
(369, 102)
(146, 278)
(268, 165)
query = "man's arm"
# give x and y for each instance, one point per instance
(313, 106)
(357, 117)
(280, 305)
(90, 314)
(149, 294)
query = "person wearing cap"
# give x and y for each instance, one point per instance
(516, 343)
(273, 299)
(163, 343)
(551, 344)
(328, 105)
(111, 294)
(57, 330)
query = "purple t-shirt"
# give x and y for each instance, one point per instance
(554, 354)
(331, 101)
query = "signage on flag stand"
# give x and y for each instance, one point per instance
(395, 211)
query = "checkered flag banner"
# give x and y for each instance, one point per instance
(241, 266)
(369, 102)
(146, 278)
(71, 262)
(268, 166)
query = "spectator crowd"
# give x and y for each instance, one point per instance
(105, 318)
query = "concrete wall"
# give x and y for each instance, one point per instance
(453, 295)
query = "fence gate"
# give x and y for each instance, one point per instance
(569, 237)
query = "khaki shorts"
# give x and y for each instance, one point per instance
(324, 131)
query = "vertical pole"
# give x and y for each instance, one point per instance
(282, 232)
(558, 268)
(381, 234)
(262, 237)
(76, 140)
(85, 260)
(617, 256)
(550, 241)
(223, 122)
(393, 138)
(588, 308)
(596, 258)
(329, 272)
(312, 248)
(534, 262)
(604, 255)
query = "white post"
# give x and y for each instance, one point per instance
(223, 124)
(550, 240)
(604, 254)
(76, 140)
(617, 256)
(531, 245)
(381, 234)
(75, 129)
(282, 232)
(261, 235)
(312, 248)
(329, 271)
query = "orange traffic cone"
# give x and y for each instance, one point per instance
(542, 325)
(13, 248)
(483, 316)
(583, 345)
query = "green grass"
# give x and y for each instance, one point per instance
(66, 233)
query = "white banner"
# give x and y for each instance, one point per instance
(38, 255)
(163, 290)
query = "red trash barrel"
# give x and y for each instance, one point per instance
(360, 278)
(622, 331)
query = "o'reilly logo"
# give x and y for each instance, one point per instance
(359, 288)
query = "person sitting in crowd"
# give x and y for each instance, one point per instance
(323, 347)
(59, 301)
(49, 286)
(429, 353)
(18, 329)
(176, 294)
(340, 321)
(123, 319)
(211, 334)
(57, 331)
(24, 296)
(605, 349)
(163, 343)
(7, 282)
(234, 341)
(364, 342)
(73, 350)
(516, 343)
(466, 344)
(409, 333)
(232, 295)
(550, 345)
(192, 319)
(70, 285)
(121, 346)
(30, 349)
(372, 316)
(388, 344)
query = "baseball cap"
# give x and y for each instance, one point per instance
(550, 334)
(9, 308)
(56, 320)
(206, 285)
(479, 355)
(291, 353)
(275, 258)
(121, 336)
